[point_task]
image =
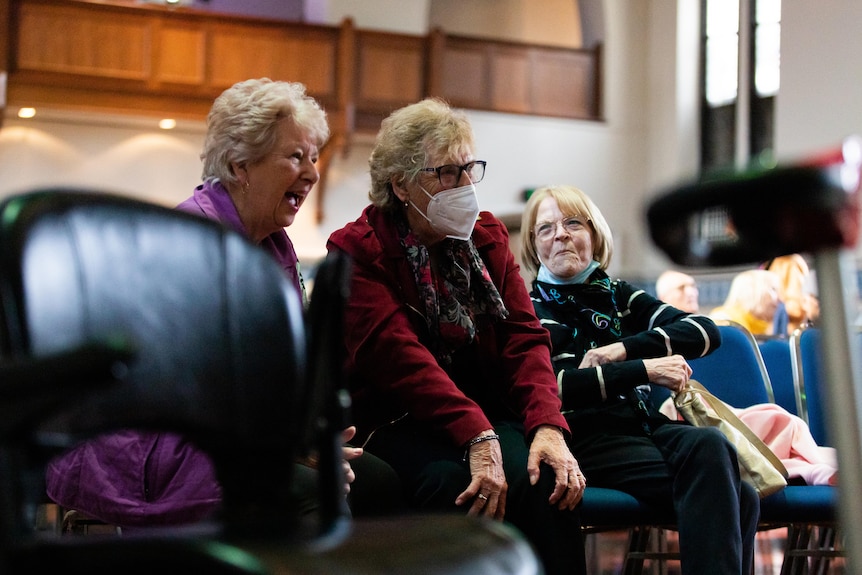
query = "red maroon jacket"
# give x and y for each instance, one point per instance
(507, 374)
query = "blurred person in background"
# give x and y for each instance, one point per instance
(800, 306)
(679, 290)
(752, 301)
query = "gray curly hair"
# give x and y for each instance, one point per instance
(242, 123)
(407, 138)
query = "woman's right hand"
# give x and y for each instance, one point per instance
(610, 353)
(487, 490)
(672, 372)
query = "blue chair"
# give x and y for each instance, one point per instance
(808, 513)
(605, 510)
(735, 372)
(808, 376)
(779, 364)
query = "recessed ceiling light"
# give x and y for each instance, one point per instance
(26, 112)
(167, 124)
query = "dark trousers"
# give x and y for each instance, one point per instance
(376, 491)
(434, 473)
(695, 470)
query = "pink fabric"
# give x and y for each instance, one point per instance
(789, 438)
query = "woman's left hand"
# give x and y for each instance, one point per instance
(487, 490)
(550, 446)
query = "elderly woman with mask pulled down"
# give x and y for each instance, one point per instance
(610, 342)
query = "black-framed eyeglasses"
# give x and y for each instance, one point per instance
(450, 174)
(547, 230)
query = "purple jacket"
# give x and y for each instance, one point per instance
(211, 200)
(143, 479)
(136, 479)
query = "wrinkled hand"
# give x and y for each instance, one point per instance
(488, 487)
(672, 372)
(349, 453)
(602, 355)
(549, 446)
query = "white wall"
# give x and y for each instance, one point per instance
(400, 16)
(116, 155)
(557, 23)
(820, 99)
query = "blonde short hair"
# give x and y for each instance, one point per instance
(751, 290)
(408, 138)
(571, 201)
(242, 123)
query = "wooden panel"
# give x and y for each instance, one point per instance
(563, 84)
(180, 54)
(129, 56)
(83, 97)
(465, 70)
(510, 81)
(5, 32)
(240, 52)
(391, 70)
(59, 39)
(517, 78)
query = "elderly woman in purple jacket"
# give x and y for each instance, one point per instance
(262, 144)
(263, 141)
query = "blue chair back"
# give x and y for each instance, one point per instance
(779, 364)
(735, 372)
(808, 378)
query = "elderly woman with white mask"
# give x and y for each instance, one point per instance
(611, 341)
(449, 367)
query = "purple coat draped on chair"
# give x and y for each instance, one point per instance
(142, 479)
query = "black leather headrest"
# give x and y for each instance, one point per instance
(751, 216)
(216, 329)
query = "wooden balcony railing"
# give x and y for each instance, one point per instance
(123, 57)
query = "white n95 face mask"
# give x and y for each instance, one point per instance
(452, 212)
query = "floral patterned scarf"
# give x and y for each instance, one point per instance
(462, 290)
